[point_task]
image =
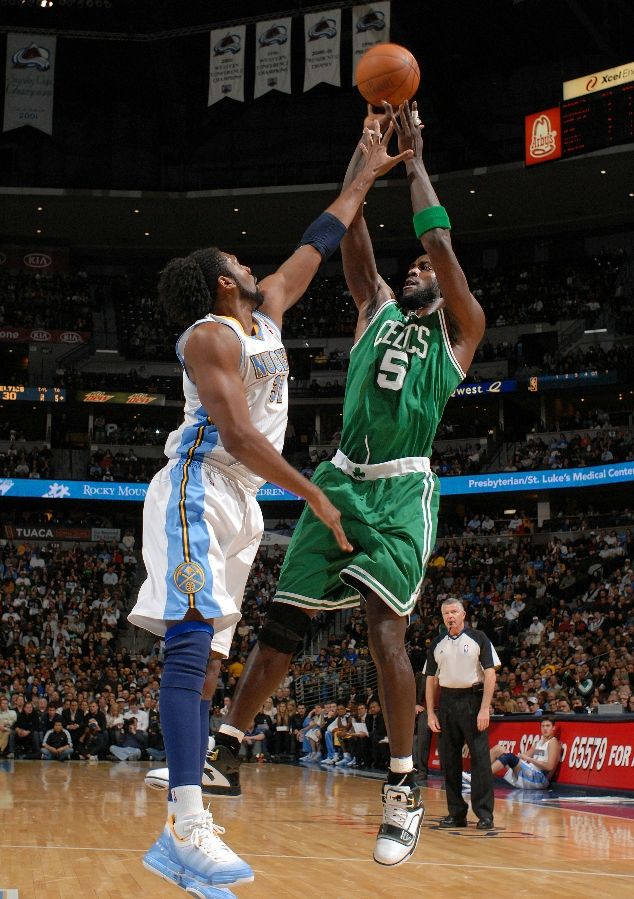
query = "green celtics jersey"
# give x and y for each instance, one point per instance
(402, 372)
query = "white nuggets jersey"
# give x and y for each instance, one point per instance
(202, 523)
(264, 371)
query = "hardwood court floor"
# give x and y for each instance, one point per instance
(79, 830)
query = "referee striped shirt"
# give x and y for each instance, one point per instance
(459, 662)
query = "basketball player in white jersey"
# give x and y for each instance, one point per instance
(201, 522)
(530, 770)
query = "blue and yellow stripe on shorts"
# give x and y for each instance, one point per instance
(188, 568)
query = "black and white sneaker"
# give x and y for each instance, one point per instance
(403, 812)
(221, 774)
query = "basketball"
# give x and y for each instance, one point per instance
(387, 72)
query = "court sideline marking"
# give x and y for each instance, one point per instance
(364, 860)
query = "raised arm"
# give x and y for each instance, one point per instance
(212, 359)
(284, 288)
(432, 227)
(359, 266)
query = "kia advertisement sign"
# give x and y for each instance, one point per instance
(10, 334)
(597, 751)
(34, 259)
(542, 136)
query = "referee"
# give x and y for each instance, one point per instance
(463, 663)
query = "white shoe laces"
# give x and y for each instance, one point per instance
(205, 836)
(395, 812)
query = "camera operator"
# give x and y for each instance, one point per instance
(93, 741)
(130, 742)
(155, 748)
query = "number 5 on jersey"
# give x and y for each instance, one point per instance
(393, 369)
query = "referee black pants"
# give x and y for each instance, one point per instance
(458, 714)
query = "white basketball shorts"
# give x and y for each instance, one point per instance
(201, 531)
(526, 777)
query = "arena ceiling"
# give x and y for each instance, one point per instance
(483, 65)
(507, 201)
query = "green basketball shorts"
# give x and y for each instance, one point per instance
(389, 512)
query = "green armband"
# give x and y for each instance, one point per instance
(432, 217)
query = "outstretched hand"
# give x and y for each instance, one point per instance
(374, 146)
(408, 127)
(383, 118)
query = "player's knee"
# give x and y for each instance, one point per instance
(387, 640)
(186, 654)
(284, 628)
(509, 759)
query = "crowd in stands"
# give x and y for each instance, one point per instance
(575, 451)
(547, 292)
(108, 465)
(52, 301)
(559, 609)
(458, 459)
(17, 462)
(542, 292)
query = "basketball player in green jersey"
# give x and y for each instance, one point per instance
(410, 354)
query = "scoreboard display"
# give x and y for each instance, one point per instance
(13, 392)
(581, 124)
(598, 120)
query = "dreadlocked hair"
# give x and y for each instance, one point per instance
(187, 285)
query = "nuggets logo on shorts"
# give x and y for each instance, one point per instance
(189, 577)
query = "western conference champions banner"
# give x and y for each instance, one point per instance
(226, 64)
(370, 26)
(272, 56)
(29, 82)
(322, 41)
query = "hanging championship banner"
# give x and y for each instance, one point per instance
(370, 26)
(322, 38)
(226, 64)
(272, 57)
(29, 82)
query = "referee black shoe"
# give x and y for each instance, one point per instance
(403, 812)
(221, 774)
(450, 822)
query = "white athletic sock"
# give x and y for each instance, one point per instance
(231, 732)
(188, 806)
(402, 764)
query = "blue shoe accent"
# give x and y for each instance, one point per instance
(202, 857)
(158, 861)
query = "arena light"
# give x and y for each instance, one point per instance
(510, 511)
(595, 331)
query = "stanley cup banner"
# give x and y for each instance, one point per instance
(370, 26)
(272, 57)
(29, 82)
(226, 64)
(322, 37)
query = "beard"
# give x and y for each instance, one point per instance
(253, 294)
(419, 298)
